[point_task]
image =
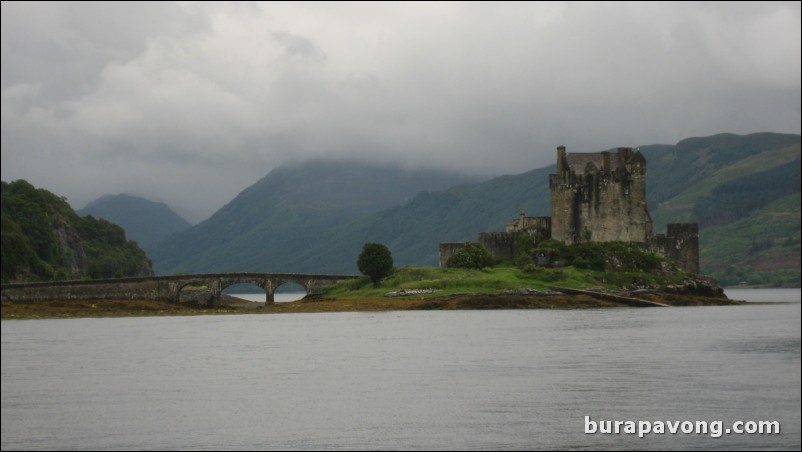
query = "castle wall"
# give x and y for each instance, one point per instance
(539, 227)
(499, 244)
(447, 250)
(680, 245)
(502, 245)
(564, 213)
(612, 207)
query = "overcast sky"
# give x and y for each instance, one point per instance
(190, 103)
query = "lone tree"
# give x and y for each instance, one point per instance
(376, 262)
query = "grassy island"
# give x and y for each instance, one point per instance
(425, 288)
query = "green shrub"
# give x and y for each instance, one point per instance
(473, 256)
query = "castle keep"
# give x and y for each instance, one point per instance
(596, 197)
(599, 197)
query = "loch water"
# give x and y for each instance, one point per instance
(490, 380)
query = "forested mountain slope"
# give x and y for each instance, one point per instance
(43, 239)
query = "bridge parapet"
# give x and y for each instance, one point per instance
(161, 288)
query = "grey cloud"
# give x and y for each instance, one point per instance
(190, 103)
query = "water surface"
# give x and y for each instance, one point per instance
(403, 380)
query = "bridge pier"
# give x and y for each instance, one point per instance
(270, 290)
(216, 288)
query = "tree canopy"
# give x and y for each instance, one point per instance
(375, 261)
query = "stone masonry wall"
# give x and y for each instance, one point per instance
(680, 245)
(499, 244)
(126, 289)
(600, 204)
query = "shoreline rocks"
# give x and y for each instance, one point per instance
(409, 292)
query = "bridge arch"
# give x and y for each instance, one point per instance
(259, 281)
(245, 291)
(283, 291)
(269, 282)
(262, 283)
(196, 292)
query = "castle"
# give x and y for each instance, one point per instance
(596, 197)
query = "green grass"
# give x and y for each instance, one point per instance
(491, 280)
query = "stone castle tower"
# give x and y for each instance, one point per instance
(595, 197)
(599, 197)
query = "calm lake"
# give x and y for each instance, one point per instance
(522, 379)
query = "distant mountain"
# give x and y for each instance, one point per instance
(43, 239)
(145, 221)
(743, 190)
(271, 225)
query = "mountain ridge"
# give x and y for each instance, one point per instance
(147, 222)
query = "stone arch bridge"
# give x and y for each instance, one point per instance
(163, 288)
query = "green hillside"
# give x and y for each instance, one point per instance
(43, 239)
(695, 159)
(414, 230)
(762, 248)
